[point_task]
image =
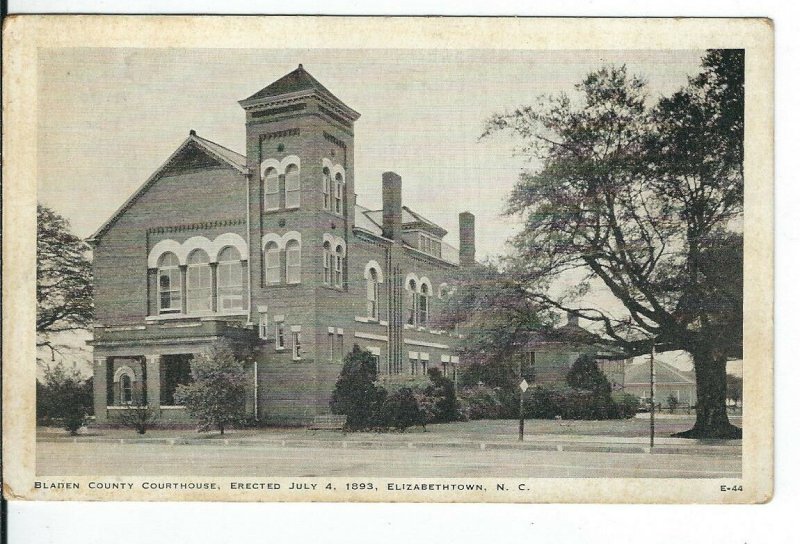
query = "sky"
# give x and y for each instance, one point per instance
(108, 118)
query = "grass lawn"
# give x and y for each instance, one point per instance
(482, 430)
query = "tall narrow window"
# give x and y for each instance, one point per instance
(422, 320)
(272, 263)
(412, 303)
(331, 346)
(272, 198)
(263, 325)
(327, 259)
(229, 280)
(198, 282)
(339, 191)
(372, 294)
(293, 261)
(169, 284)
(280, 336)
(296, 345)
(125, 389)
(339, 258)
(292, 182)
(326, 188)
(340, 347)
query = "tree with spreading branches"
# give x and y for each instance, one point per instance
(644, 198)
(63, 280)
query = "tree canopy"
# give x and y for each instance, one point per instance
(646, 200)
(63, 279)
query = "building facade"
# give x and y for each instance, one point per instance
(271, 252)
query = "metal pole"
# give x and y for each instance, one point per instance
(521, 406)
(652, 398)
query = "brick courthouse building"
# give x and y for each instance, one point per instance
(272, 252)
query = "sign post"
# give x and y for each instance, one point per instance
(523, 386)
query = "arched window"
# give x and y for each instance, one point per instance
(326, 188)
(412, 302)
(372, 294)
(125, 389)
(338, 195)
(169, 284)
(293, 261)
(272, 199)
(198, 282)
(292, 182)
(327, 262)
(422, 318)
(229, 280)
(339, 258)
(272, 263)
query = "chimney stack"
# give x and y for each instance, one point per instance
(392, 206)
(466, 239)
(573, 319)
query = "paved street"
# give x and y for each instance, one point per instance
(268, 460)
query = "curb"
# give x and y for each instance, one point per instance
(554, 446)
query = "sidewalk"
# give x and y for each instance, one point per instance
(433, 439)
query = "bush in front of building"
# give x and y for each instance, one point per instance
(443, 393)
(483, 402)
(215, 397)
(138, 415)
(355, 394)
(64, 398)
(401, 410)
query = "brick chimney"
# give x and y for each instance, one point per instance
(573, 319)
(466, 238)
(392, 206)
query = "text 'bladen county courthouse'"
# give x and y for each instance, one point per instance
(271, 252)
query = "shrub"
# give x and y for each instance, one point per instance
(672, 403)
(627, 404)
(543, 403)
(443, 393)
(65, 396)
(481, 402)
(355, 394)
(216, 395)
(138, 415)
(400, 410)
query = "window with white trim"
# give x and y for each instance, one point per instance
(331, 346)
(125, 389)
(326, 188)
(412, 298)
(422, 306)
(169, 284)
(327, 263)
(272, 198)
(296, 344)
(280, 336)
(413, 360)
(293, 261)
(229, 280)
(292, 183)
(339, 260)
(272, 263)
(198, 282)
(263, 325)
(338, 198)
(340, 347)
(372, 293)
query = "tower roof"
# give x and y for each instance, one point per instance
(298, 81)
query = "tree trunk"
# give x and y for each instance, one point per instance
(712, 414)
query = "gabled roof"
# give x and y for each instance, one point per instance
(222, 154)
(410, 219)
(298, 81)
(664, 373)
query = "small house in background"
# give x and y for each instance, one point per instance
(549, 355)
(668, 380)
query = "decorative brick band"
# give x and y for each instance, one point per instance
(196, 226)
(334, 140)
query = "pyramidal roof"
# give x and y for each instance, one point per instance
(296, 81)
